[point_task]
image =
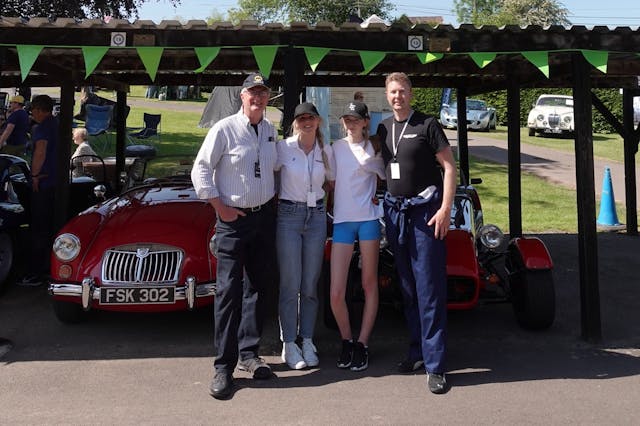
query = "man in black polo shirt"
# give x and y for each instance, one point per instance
(417, 214)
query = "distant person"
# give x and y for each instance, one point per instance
(82, 152)
(421, 184)
(13, 139)
(234, 171)
(355, 217)
(43, 180)
(358, 96)
(305, 163)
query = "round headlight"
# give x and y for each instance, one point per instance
(491, 236)
(567, 119)
(66, 247)
(540, 117)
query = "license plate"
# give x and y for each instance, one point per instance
(137, 295)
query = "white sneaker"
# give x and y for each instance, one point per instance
(292, 355)
(310, 353)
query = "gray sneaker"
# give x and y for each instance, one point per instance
(257, 366)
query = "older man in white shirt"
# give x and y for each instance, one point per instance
(234, 170)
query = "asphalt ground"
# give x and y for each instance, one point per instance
(155, 369)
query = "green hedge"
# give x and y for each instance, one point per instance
(428, 101)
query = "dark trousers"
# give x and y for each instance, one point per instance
(41, 228)
(245, 250)
(421, 263)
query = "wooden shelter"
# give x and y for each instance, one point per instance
(65, 53)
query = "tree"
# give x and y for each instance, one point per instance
(469, 11)
(530, 12)
(311, 11)
(81, 9)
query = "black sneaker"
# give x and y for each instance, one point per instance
(221, 386)
(256, 366)
(346, 356)
(437, 383)
(360, 357)
(409, 366)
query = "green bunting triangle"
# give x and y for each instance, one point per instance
(370, 59)
(482, 59)
(315, 55)
(27, 55)
(205, 55)
(150, 57)
(540, 60)
(426, 57)
(597, 58)
(265, 55)
(92, 57)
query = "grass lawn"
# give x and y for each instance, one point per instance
(606, 146)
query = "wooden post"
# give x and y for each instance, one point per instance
(630, 150)
(463, 138)
(65, 121)
(513, 152)
(121, 134)
(587, 236)
(293, 73)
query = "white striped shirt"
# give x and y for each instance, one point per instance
(225, 164)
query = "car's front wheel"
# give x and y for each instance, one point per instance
(533, 298)
(6, 259)
(68, 312)
(532, 131)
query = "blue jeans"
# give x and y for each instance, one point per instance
(300, 237)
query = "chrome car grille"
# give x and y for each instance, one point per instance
(150, 264)
(554, 120)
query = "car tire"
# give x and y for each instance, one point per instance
(68, 312)
(6, 259)
(532, 132)
(532, 293)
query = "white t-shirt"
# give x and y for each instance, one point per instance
(296, 168)
(356, 169)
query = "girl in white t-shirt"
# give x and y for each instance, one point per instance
(355, 218)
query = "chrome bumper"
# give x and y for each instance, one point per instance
(88, 292)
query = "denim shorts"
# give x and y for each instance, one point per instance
(349, 232)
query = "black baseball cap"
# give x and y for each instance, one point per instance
(254, 79)
(356, 109)
(305, 108)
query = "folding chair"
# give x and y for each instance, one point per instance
(98, 122)
(149, 132)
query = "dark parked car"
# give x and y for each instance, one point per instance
(15, 186)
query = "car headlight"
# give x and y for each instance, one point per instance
(66, 247)
(567, 119)
(540, 117)
(491, 236)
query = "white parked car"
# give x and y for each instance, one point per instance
(551, 115)
(480, 116)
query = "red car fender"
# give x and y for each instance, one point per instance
(533, 252)
(462, 263)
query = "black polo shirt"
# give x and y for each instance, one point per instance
(416, 153)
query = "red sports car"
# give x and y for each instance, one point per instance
(482, 265)
(147, 250)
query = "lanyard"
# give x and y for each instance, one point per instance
(310, 166)
(396, 143)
